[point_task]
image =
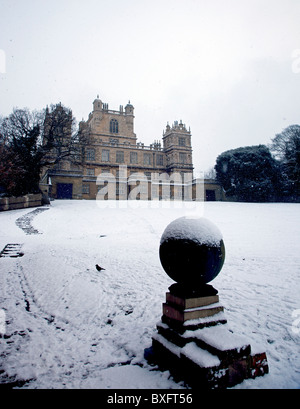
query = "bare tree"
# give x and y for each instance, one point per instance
(39, 139)
(210, 174)
(59, 136)
(286, 147)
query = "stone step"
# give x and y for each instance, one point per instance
(221, 341)
(202, 369)
(192, 313)
(183, 303)
(196, 367)
(12, 250)
(195, 324)
(218, 340)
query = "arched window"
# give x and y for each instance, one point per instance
(114, 126)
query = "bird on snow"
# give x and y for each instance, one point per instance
(99, 268)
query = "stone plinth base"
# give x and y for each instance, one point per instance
(195, 344)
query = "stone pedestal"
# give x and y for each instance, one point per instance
(194, 342)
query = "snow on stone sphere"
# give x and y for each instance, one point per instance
(200, 230)
(192, 251)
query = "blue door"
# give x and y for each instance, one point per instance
(64, 191)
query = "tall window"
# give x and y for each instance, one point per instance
(120, 157)
(147, 159)
(105, 155)
(86, 189)
(133, 157)
(182, 157)
(121, 189)
(159, 160)
(114, 126)
(181, 141)
(90, 155)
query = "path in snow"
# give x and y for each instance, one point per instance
(24, 222)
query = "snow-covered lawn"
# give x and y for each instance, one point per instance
(66, 325)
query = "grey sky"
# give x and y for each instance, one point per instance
(226, 68)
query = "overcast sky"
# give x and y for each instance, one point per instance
(229, 69)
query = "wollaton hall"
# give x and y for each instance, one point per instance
(163, 170)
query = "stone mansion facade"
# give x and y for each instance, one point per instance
(112, 151)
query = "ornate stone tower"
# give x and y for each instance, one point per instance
(178, 148)
(129, 114)
(105, 124)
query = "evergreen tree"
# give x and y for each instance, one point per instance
(249, 174)
(11, 171)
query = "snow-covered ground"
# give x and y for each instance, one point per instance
(66, 325)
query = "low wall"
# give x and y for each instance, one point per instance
(13, 203)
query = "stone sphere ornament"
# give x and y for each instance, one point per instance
(192, 251)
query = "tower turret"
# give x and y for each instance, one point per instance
(178, 148)
(129, 109)
(129, 114)
(97, 104)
